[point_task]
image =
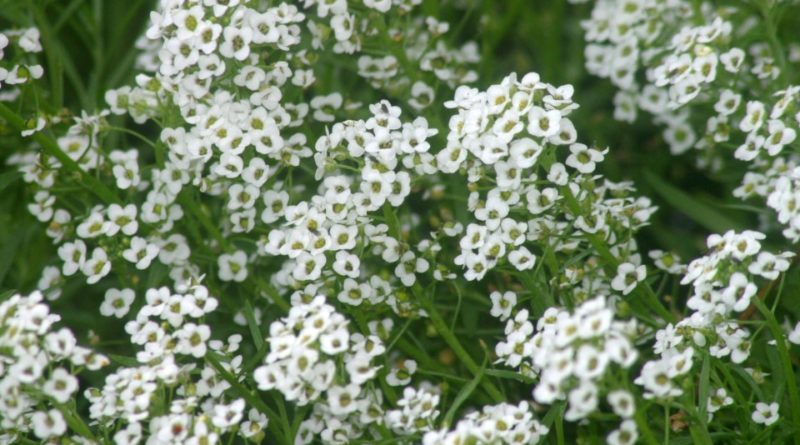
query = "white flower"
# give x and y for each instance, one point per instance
(543, 123)
(409, 266)
(347, 264)
(628, 277)
(233, 266)
(97, 266)
(622, 403)
(766, 414)
(794, 335)
(583, 159)
(117, 302)
(141, 253)
(401, 373)
(236, 43)
(502, 304)
(342, 400)
(47, 424)
(522, 259)
(93, 226)
(626, 434)
(754, 117)
(61, 385)
(122, 219)
(73, 255)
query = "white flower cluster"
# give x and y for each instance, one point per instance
(37, 364)
(503, 424)
(416, 411)
(697, 74)
(723, 284)
(336, 222)
(505, 138)
(168, 329)
(17, 69)
(570, 352)
(314, 358)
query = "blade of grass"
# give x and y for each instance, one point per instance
(698, 212)
(788, 371)
(464, 394)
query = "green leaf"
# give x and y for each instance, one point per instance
(698, 212)
(9, 251)
(5, 295)
(505, 374)
(464, 394)
(125, 361)
(9, 178)
(255, 331)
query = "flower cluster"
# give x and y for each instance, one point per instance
(723, 284)
(18, 68)
(174, 341)
(709, 93)
(509, 140)
(571, 353)
(495, 424)
(287, 173)
(314, 358)
(38, 364)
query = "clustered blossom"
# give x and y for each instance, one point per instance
(331, 235)
(570, 353)
(18, 68)
(417, 411)
(314, 358)
(508, 139)
(708, 92)
(333, 219)
(37, 363)
(174, 341)
(495, 424)
(723, 285)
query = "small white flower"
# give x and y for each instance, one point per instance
(122, 219)
(47, 424)
(766, 414)
(141, 253)
(628, 277)
(233, 267)
(117, 302)
(502, 304)
(543, 123)
(61, 385)
(97, 266)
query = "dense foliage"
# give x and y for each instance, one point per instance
(399, 221)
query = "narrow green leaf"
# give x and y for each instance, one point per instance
(9, 251)
(252, 324)
(702, 402)
(698, 212)
(464, 394)
(9, 178)
(505, 374)
(5, 295)
(125, 361)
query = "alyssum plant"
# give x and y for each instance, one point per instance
(296, 258)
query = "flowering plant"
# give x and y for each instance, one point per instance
(332, 221)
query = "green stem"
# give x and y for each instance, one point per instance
(649, 300)
(783, 351)
(455, 345)
(252, 399)
(641, 422)
(76, 423)
(91, 183)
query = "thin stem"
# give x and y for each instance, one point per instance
(91, 183)
(783, 351)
